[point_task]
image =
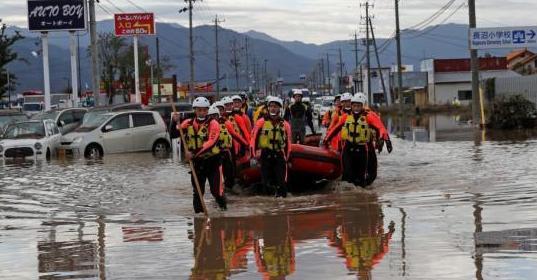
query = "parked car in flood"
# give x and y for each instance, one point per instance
(66, 119)
(10, 116)
(118, 132)
(96, 111)
(30, 139)
(165, 110)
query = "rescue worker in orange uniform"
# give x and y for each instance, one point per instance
(240, 151)
(355, 132)
(344, 108)
(228, 136)
(375, 143)
(271, 145)
(201, 139)
(238, 105)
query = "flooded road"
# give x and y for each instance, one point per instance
(449, 203)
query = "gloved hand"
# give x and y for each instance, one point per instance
(380, 145)
(389, 146)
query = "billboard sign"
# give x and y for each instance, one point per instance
(503, 37)
(133, 24)
(56, 15)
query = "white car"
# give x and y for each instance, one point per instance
(327, 105)
(66, 119)
(118, 132)
(30, 139)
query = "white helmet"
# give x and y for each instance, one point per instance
(276, 100)
(346, 96)
(359, 98)
(306, 99)
(218, 104)
(226, 100)
(201, 102)
(213, 110)
(235, 97)
(297, 92)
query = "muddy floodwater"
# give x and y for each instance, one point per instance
(449, 203)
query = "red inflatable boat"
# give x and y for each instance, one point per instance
(306, 164)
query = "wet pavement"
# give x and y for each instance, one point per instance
(449, 203)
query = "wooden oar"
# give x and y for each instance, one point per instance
(192, 169)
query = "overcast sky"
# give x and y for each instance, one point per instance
(312, 21)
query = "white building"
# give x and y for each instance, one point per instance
(450, 79)
(377, 91)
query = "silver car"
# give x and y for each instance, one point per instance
(118, 132)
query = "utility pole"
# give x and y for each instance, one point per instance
(94, 53)
(368, 59)
(328, 74)
(78, 64)
(340, 70)
(254, 64)
(138, 95)
(399, 63)
(356, 62)
(159, 72)
(191, 40)
(46, 70)
(475, 69)
(247, 62)
(378, 63)
(74, 76)
(323, 78)
(216, 22)
(265, 77)
(235, 63)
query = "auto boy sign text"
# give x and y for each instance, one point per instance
(56, 15)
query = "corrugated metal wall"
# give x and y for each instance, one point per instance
(525, 86)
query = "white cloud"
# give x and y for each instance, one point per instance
(314, 21)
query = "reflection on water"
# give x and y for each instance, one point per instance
(357, 234)
(464, 207)
(65, 258)
(442, 128)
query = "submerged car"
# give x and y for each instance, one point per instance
(66, 119)
(166, 109)
(119, 132)
(10, 116)
(96, 111)
(30, 139)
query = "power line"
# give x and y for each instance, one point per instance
(115, 6)
(433, 17)
(137, 6)
(102, 7)
(425, 31)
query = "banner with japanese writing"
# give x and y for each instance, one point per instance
(56, 15)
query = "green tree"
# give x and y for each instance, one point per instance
(6, 56)
(117, 64)
(110, 53)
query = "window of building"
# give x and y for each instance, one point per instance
(465, 95)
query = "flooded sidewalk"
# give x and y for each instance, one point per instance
(449, 203)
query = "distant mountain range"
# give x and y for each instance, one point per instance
(290, 59)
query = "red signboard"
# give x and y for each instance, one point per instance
(134, 24)
(463, 65)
